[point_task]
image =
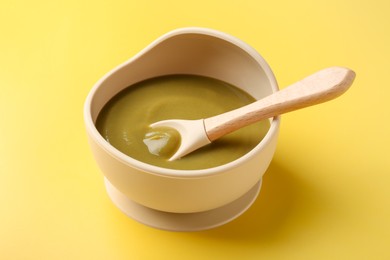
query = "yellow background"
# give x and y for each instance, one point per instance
(326, 194)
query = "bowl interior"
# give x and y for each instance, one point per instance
(197, 52)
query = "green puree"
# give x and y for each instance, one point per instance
(124, 120)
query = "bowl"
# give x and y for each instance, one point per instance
(196, 51)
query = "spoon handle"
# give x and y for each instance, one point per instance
(317, 88)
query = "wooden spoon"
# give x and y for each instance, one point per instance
(317, 88)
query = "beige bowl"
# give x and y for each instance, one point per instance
(195, 51)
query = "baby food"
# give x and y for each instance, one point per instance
(124, 121)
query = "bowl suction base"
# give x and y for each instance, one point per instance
(183, 221)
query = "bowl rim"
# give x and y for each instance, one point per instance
(156, 170)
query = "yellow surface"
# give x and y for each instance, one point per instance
(326, 194)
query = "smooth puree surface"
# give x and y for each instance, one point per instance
(124, 120)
